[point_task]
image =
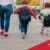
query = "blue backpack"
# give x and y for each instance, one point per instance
(24, 15)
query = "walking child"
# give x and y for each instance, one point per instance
(24, 17)
(45, 18)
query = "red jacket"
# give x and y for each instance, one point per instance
(31, 12)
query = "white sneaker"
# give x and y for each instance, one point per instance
(23, 35)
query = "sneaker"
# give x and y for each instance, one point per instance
(5, 35)
(46, 34)
(42, 33)
(2, 33)
(23, 36)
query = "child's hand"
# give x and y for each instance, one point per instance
(16, 12)
(35, 17)
(39, 17)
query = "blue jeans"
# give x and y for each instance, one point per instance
(23, 27)
(7, 11)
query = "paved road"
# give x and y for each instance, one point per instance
(15, 42)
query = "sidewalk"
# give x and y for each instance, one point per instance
(15, 42)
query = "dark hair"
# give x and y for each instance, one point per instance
(47, 5)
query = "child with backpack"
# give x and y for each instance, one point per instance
(45, 18)
(24, 18)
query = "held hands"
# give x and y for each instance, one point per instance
(15, 12)
(35, 17)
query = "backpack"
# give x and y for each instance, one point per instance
(24, 15)
(47, 20)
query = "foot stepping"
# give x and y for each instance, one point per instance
(1, 33)
(5, 35)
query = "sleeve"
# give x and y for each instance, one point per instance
(17, 11)
(32, 13)
(41, 14)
